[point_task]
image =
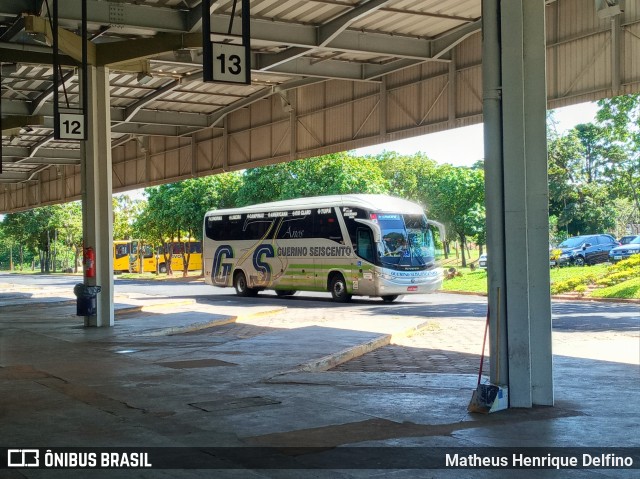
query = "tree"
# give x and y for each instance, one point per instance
(620, 116)
(407, 175)
(125, 211)
(324, 175)
(71, 230)
(457, 195)
(194, 198)
(176, 211)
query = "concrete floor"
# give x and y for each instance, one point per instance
(294, 374)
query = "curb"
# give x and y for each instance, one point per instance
(153, 306)
(37, 304)
(332, 360)
(557, 297)
(221, 321)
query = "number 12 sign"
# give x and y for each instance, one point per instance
(230, 63)
(72, 126)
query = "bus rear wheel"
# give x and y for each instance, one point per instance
(338, 289)
(162, 268)
(241, 286)
(390, 298)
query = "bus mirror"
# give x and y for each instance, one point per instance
(441, 229)
(375, 228)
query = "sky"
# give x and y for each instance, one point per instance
(464, 146)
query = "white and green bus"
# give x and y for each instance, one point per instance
(365, 245)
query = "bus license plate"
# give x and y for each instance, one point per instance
(412, 288)
(617, 257)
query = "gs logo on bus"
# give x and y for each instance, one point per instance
(260, 266)
(222, 270)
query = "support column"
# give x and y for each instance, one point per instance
(537, 201)
(97, 208)
(517, 199)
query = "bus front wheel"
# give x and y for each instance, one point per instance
(338, 289)
(162, 268)
(242, 288)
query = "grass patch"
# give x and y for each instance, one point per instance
(471, 281)
(629, 289)
(612, 281)
(570, 272)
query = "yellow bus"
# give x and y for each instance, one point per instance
(121, 252)
(153, 259)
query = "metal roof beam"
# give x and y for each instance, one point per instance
(330, 30)
(43, 153)
(150, 117)
(196, 120)
(119, 54)
(39, 102)
(443, 44)
(257, 96)
(20, 121)
(11, 177)
(32, 54)
(126, 15)
(69, 42)
(38, 160)
(16, 27)
(131, 110)
(153, 130)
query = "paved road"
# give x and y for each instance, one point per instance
(452, 343)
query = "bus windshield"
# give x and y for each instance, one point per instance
(407, 241)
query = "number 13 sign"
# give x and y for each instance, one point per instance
(230, 63)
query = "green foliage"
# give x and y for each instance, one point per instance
(456, 198)
(125, 210)
(469, 281)
(325, 175)
(622, 271)
(34, 233)
(593, 166)
(571, 284)
(629, 289)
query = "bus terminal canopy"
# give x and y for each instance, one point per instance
(327, 75)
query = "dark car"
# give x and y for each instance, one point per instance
(627, 239)
(581, 250)
(623, 252)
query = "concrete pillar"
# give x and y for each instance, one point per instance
(97, 208)
(494, 189)
(518, 243)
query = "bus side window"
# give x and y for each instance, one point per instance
(327, 226)
(365, 245)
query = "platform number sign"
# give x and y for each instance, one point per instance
(72, 126)
(230, 63)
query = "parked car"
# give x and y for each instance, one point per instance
(623, 252)
(581, 250)
(482, 261)
(627, 239)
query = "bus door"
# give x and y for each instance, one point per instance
(366, 252)
(359, 229)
